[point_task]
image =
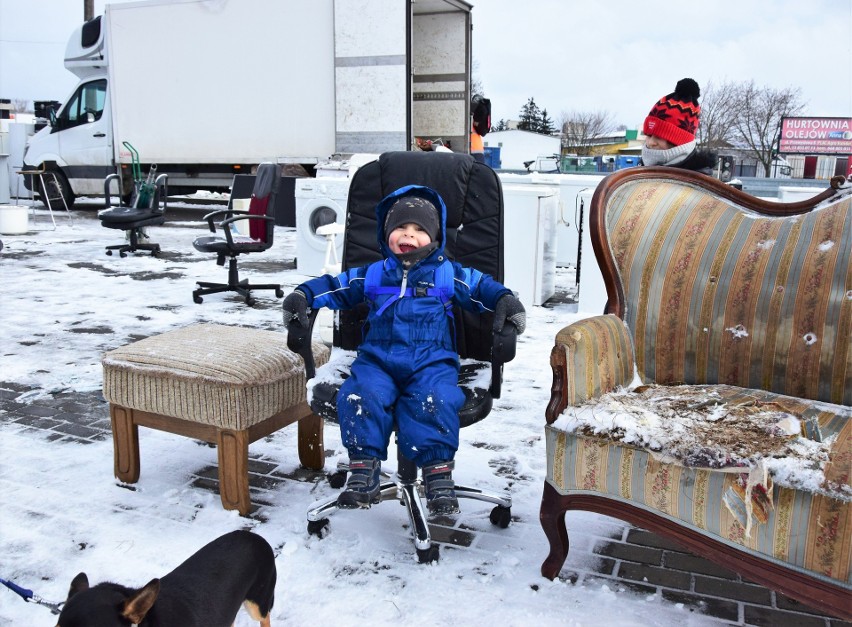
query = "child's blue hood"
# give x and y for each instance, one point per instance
(410, 190)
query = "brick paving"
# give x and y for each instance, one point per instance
(630, 559)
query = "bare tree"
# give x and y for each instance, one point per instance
(580, 128)
(757, 119)
(718, 109)
(20, 105)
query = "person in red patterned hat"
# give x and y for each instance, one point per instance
(670, 131)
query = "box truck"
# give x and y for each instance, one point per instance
(207, 89)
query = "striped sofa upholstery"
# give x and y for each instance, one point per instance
(706, 289)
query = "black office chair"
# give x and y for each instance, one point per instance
(132, 218)
(474, 199)
(261, 220)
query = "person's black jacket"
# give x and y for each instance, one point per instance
(703, 161)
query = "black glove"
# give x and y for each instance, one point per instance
(510, 308)
(296, 306)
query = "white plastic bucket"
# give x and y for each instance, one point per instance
(14, 219)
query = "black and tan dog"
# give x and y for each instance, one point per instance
(205, 591)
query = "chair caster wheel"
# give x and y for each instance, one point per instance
(123, 255)
(250, 301)
(279, 293)
(155, 253)
(337, 480)
(427, 556)
(109, 253)
(501, 516)
(197, 299)
(318, 528)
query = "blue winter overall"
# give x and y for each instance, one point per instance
(407, 366)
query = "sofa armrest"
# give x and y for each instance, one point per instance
(591, 357)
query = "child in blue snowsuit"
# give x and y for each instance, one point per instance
(407, 366)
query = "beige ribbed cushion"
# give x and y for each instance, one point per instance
(230, 377)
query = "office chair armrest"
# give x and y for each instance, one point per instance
(299, 341)
(226, 223)
(162, 181)
(109, 179)
(502, 350)
(211, 217)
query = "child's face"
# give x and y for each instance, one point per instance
(407, 237)
(655, 143)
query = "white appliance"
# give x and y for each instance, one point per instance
(319, 201)
(795, 194)
(570, 217)
(570, 213)
(529, 241)
(592, 294)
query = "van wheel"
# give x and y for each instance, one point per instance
(53, 188)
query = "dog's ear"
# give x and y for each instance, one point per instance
(80, 583)
(139, 604)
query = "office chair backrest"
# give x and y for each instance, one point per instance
(474, 199)
(262, 202)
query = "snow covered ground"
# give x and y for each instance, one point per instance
(61, 510)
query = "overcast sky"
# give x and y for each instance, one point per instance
(589, 55)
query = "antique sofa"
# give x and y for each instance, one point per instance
(710, 403)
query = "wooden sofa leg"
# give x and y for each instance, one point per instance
(232, 448)
(311, 447)
(552, 519)
(125, 444)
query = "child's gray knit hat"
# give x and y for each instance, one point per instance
(416, 210)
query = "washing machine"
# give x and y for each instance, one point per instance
(529, 241)
(319, 201)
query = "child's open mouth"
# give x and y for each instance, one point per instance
(406, 248)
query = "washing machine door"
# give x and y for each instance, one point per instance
(312, 213)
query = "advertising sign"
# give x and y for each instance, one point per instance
(816, 136)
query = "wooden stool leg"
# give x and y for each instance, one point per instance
(125, 443)
(311, 447)
(232, 447)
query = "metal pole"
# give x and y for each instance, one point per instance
(88, 10)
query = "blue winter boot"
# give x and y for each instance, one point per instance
(362, 488)
(440, 488)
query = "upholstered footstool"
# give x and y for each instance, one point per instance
(225, 385)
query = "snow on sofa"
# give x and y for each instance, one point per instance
(711, 402)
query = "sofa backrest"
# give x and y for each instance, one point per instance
(716, 292)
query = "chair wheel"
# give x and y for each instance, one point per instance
(427, 556)
(501, 516)
(123, 255)
(337, 479)
(279, 293)
(109, 253)
(250, 301)
(197, 298)
(318, 528)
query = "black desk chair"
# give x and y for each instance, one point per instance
(134, 219)
(261, 220)
(474, 199)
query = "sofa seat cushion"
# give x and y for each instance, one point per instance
(764, 471)
(226, 376)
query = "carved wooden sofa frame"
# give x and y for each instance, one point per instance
(686, 259)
